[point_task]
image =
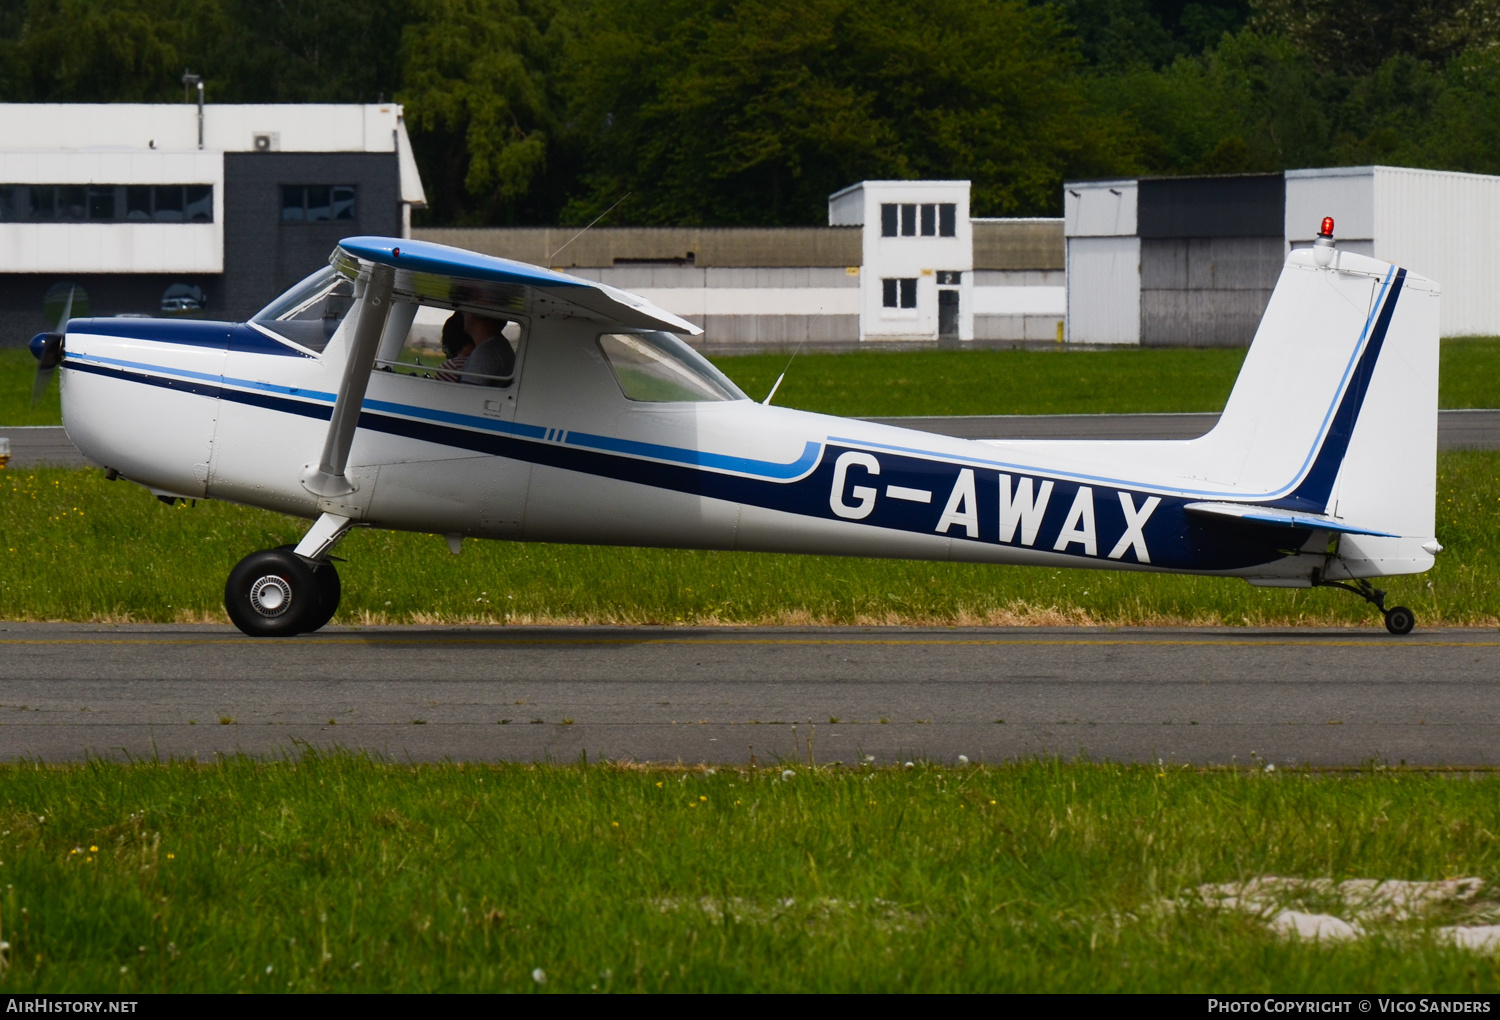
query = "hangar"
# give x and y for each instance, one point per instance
(1191, 261)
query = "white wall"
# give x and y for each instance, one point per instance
(1103, 262)
(1104, 290)
(300, 127)
(1445, 226)
(114, 247)
(1099, 208)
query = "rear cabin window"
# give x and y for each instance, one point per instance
(660, 368)
(310, 313)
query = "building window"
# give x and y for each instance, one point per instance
(937, 219)
(898, 293)
(948, 220)
(317, 203)
(106, 203)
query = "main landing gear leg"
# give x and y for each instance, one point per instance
(291, 589)
(1398, 620)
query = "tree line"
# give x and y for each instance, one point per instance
(709, 112)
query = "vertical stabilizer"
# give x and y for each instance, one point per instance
(1335, 410)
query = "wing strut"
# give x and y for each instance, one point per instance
(327, 478)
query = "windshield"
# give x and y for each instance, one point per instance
(310, 313)
(659, 367)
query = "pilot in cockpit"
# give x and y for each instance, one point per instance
(458, 347)
(492, 356)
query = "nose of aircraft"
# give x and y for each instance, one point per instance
(47, 349)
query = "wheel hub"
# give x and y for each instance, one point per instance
(271, 596)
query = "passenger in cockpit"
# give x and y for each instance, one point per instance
(458, 347)
(493, 356)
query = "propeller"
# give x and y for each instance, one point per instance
(47, 349)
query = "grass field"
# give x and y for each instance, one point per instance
(338, 873)
(17, 373)
(881, 383)
(76, 547)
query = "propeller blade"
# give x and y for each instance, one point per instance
(67, 312)
(47, 348)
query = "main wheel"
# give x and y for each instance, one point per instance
(272, 593)
(1400, 620)
(329, 592)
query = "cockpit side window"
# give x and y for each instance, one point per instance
(310, 313)
(660, 368)
(433, 342)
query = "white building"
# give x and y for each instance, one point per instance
(123, 202)
(917, 262)
(1445, 226)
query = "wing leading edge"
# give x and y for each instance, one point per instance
(438, 273)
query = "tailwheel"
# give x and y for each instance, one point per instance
(276, 593)
(1400, 620)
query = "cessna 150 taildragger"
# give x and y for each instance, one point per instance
(607, 428)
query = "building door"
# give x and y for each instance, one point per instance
(947, 313)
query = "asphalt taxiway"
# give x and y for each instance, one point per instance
(1326, 697)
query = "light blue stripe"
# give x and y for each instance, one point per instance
(455, 418)
(699, 458)
(183, 372)
(186, 373)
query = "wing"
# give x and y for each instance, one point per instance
(438, 274)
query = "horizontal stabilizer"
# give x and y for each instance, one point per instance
(1281, 518)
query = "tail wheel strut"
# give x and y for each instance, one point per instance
(1398, 619)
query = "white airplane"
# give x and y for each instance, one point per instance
(597, 424)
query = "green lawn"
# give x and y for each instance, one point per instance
(888, 383)
(75, 547)
(17, 373)
(342, 874)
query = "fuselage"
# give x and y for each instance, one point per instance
(231, 412)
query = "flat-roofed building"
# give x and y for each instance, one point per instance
(180, 209)
(899, 261)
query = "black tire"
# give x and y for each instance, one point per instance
(272, 593)
(329, 593)
(1400, 620)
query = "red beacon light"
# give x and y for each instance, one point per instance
(1323, 246)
